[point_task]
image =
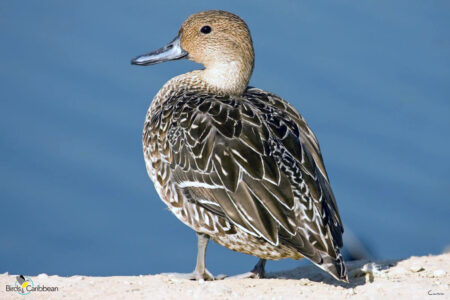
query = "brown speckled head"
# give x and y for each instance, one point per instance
(218, 40)
(221, 42)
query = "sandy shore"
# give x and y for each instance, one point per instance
(414, 278)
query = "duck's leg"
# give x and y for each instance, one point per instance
(200, 271)
(259, 269)
(200, 267)
(257, 272)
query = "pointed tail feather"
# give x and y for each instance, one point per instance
(335, 266)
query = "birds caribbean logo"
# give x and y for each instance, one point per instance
(23, 283)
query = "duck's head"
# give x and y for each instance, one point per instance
(218, 40)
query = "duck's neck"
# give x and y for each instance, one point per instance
(227, 77)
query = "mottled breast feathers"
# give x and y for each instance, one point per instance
(253, 160)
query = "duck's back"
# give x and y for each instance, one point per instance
(247, 171)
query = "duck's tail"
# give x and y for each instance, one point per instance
(335, 266)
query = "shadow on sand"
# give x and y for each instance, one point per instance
(359, 273)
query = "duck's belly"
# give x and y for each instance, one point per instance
(249, 244)
(201, 220)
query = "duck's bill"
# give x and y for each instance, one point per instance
(171, 51)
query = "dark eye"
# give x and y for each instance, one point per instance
(205, 29)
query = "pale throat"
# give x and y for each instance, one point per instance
(230, 77)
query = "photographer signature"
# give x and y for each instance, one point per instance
(431, 293)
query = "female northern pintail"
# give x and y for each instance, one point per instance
(237, 164)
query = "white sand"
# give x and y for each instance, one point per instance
(414, 278)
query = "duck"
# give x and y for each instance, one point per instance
(237, 164)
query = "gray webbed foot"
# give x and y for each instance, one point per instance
(205, 275)
(258, 272)
(200, 271)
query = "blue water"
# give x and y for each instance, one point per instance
(372, 78)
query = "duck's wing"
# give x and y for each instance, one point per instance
(221, 161)
(290, 127)
(318, 217)
(253, 160)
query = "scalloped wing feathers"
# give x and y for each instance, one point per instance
(253, 160)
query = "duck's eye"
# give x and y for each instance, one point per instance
(205, 29)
